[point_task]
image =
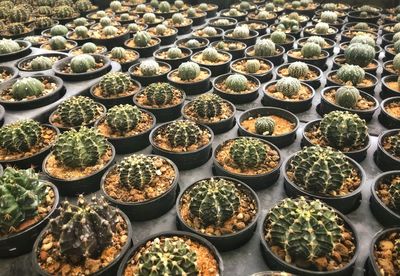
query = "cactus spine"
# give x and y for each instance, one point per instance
(20, 136)
(347, 96)
(114, 83)
(136, 171)
(248, 152)
(236, 83)
(352, 74)
(82, 63)
(264, 48)
(77, 111)
(123, 118)
(41, 63)
(160, 93)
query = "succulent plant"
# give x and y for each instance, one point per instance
(160, 93)
(269, 7)
(321, 28)
(133, 27)
(58, 30)
(57, 43)
(248, 152)
(359, 54)
(89, 48)
(178, 18)
(105, 21)
(265, 125)
(193, 43)
(394, 193)
(8, 46)
(362, 26)
(347, 96)
(16, 28)
(115, 6)
(154, 3)
(203, 7)
(123, 118)
(136, 170)
(82, 63)
(44, 10)
(149, 17)
(288, 86)
(100, 14)
(233, 12)
(278, 37)
(298, 69)
(252, 66)
(174, 53)
(236, 82)
(329, 17)
(396, 47)
(207, 106)
(118, 53)
(161, 29)
(287, 24)
(221, 22)
(77, 111)
(142, 39)
(264, 48)
(210, 31)
(183, 133)
(41, 63)
(263, 15)
(310, 50)
(18, 15)
(191, 12)
(64, 11)
(110, 31)
(164, 7)
(351, 73)
(21, 195)
(396, 28)
(124, 17)
(27, 87)
(396, 37)
(20, 136)
(363, 39)
(210, 54)
(140, 8)
(81, 31)
(149, 68)
(343, 129)
(43, 22)
(241, 32)
(393, 142)
(188, 71)
(114, 83)
(83, 5)
(179, 4)
(317, 40)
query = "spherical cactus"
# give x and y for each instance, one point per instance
(114, 83)
(191, 12)
(236, 82)
(174, 53)
(244, 6)
(317, 40)
(43, 22)
(20, 136)
(149, 17)
(136, 171)
(124, 17)
(362, 26)
(193, 43)
(105, 21)
(278, 37)
(296, 4)
(265, 125)
(394, 192)
(41, 63)
(203, 7)
(248, 152)
(222, 22)
(110, 31)
(396, 37)
(164, 7)
(133, 27)
(58, 43)
(27, 87)
(241, 32)
(81, 21)
(161, 29)
(183, 133)
(321, 28)
(160, 93)
(288, 86)
(100, 14)
(19, 15)
(329, 17)
(353, 74)
(329, 7)
(118, 53)
(343, 129)
(179, 4)
(393, 144)
(16, 28)
(396, 62)
(178, 18)
(123, 118)
(77, 111)
(263, 15)
(359, 54)
(294, 16)
(142, 39)
(8, 46)
(264, 48)
(298, 69)
(89, 48)
(83, 5)
(396, 47)
(188, 71)
(154, 3)
(252, 66)
(310, 50)
(58, 30)
(64, 11)
(140, 8)
(149, 68)
(363, 39)
(233, 12)
(115, 6)
(207, 106)
(210, 54)
(396, 28)
(347, 96)
(81, 31)
(210, 31)
(82, 63)
(269, 7)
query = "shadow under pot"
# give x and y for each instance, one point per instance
(23, 238)
(318, 61)
(146, 51)
(189, 245)
(144, 72)
(237, 88)
(167, 38)
(313, 77)
(250, 40)
(259, 68)
(329, 45)
(287, 45)
(233, 158)
(186, 152)
(389, 116)
(225, 23)
(211, 38)
(379, 253)
(142, 201)
(235, 48)
(276, 58)
(300, 101)
(285, 125)
(272, 241)
(218, 64)
(173, 58)
(226, 230)
(129, 58)
(312, 136)
(40, 65)
(8, 73)
(386, 155)
(365, 106)
(196, 44)
(367, 84)
(198, 85)
(381, 202)
(390, 86)
(339, 60)
(17, 51)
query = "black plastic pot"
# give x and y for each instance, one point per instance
(215, 69)
(383, 159)
(385, 118)
(264, 77)
(354, 16)
(369, 89)
(237, 53)
(23, 61)
(174, 63)
(382, 213)
(192, 88)
(218, 36)
(387, 91)
(316, 83)
(233, 22)
(339, 60)
(236, 97)
(386, 70)
(279, 140)
(84, 185)
(149, 209)
(2, 113)
(319, 62)
(11, 70)
(204, 41)
(256, 182)
(184, 160)
(182, 30)
(19, 243)
(292, 106)
(17, 36)
(191, 236)
(307, 12)
(223, 242)
(251, 40)
(145, 51)
(24, 51)
(275, 59)
(332, 43)
(287, 45)
(126, 65)
(59, 65)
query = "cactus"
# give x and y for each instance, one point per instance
(58, 30)
(241, 32)
(263, 15)
(41, 63)
(210, 54)
(191, 12)
(44, 11)
(136, 171)
(396, 47)
(77, 111)
(278, 37)
(110, 31)
(83, 5)
(16, 28)
(19, 15)
(21, 194)
(174, 53)
(393, 144)
(27, 87)
(160, 93)
(296, 4)
(149, 17)
(81, 31)
(161, 29)
(149, 68)
(64, 11)
(115, 6)
(264, 48)
(43, 22)
(269, 7)
(82, 63)
(58, 43)
(207, 106)
(298, 69)
(351, 73)
(343, 129)
(244, 6)
(359, 54)
(363, 39)
(124, 17)
(321, 28)
(361, 26)
(133, 27)
(233, 12)
(188, 71)
(311, 50)
(183, 133)
(203, 7)
(142, 39)
(396, 62)
(394, 193)
(123, 118)
(396, 28)
(288, 86)
(140, 8)
(178, 19)
(164, 7)
(347, 96)
(317, 40)
(210, 31)
(114, 83)
(265, 125)
(179, 4)
(193, 43)
(8, 46)
(105, 21)
(118, 53)
(236, 83)
(221, 22)
(89, 48)
(81, 21)
(154, 3)
(329, 17)
(20, 136)
(248, 152)
(252, 66)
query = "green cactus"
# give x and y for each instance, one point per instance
(64, 11)
(188, 71)
(58, 30)
(265, 125)
(221, 22)
(149, 68)
(329, 17)
(81, 31)
(159, 93)
(16, 28)
(178, 19)
(183, 133)
(161, 29)
(207, 106)
(248, 152)
(82, 63)
(83, 5)
(278, 37)
(81, 21)
(269, 7)
(124, 17)
(43, 22)
(393, 144)
(27, 87)
(241, 32)
(174, 53)
(154, 3)
(179, 4)
(234, 12)
(20, 136)
(123, 118)
(114, 83)
(193, 43)
(203, 7)
(264, 48)
(142, 39)
(396, 47)
(322, 28)
(21, 195)
(396, 37)
(105, 21)
(359, 54)
(317, 40)
(362, 26)
(288, 86)
(77, 111)
(252, 66)
(18, 15)
(347, 96)
(298, 69)
(149, 18)
(363, 39)
(133, 27)
(236, 83)
(191, 12)
(115, 6)
(343, 129)
(164, 7)
(101, 14)
(396, 28)
(89, 48)
(41, 63)
(58, 43)
(353, 74)
(110, 31)
(45, 10)
(311, 50)
(8, 46)
(210, 31)
(394, 194)
(137, 171)
(210, 54)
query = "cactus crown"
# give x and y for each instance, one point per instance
(207, 106)
(298, 69)
(105, 21)
(183, 133)
(359, 54)
(123, 118)
(27, 87)
(84, 230)
(161, 29)
(178, 18)
(19, 15)
(362, 26)
(174, 53)
(252, 66)
(363, 39)
(321, 28)
(114, 83)
(160, 93)
(80, 148)
(288, 86)
(352, 74)
(81, 31)
(58, 30)
(89, 48)
(214, 201)
(329, 17)
(236, 82)
(241, 32)
(8, 46)
(142, 39)
(188, 71)
(82, 63)
(136, 170)
(164, 6)
(83, 5)
(210, 54)
(248, 152)
(43, 22)
(20, 136)
(263, 15)
(149, 68)
(110, 31)
(317, 40)
(149, 17)
(310, 50)
(191, 12)
(265, 125)
(264, 48)
(57, 42)
(77, 111)
(347, 96)
(41, 63)
(16, 28)
(317, 225)
(278, 37)
(64, 11)
(210, 31)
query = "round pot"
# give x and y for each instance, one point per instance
(236, 97)
(184, 160)
(387, 91)
(354, 16)
(287, 45)
(125, 65)
(251, 40)
(275, 59)
(149, 209)
(10, 70)
(279, 140)
(369, 89)
(269, 21)
(145, 51)
(146, 80)
(24, 51)
(223, 242)
(225, 13)
(218, 36)
(336, 64)
(182, 30)
(212, 12)
(237, 53)
(204, 41)
(169, 39)
(386, 70)
(21, 62)
(174, 63)
(351, 26)
(316, 83)
(332, 36)
(384, 160)
(199, 20)
(263, 77)
(215, 69)
(307, 12)
(192, 88)
(338, 24)
(233, 22)
(386, 119)
(330, 49)
(318, 62)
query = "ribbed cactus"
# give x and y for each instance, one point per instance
(80, 148)
(58, 43)
(210, 54)
(179, 4)
(110, 31)
(16, 28)
(264, 48)
(183, 133)
(304, 229)
(188, 71)
(263, 15)
(265, 125)
(236, 82)
(234, 12)
(214, 201)
(248, 152)
(27, 87)
(343, 129)
(105, 21)
(83, 5)
(298, 69)
(41, 63)
(58, 30)
(114, 83)
(115, 6)
(221, 22)
(393, 144)
(82, 63)
(77, 111)
(353, 74)
(347, 96)
(81, 31)
(159, 93)
(161, 29)
(363, 39)
(149, 68)
(89, 48)
(142, 39)
(118, 53)
(310, 50)
(101, 14)
(207, 106)
(43, 22)
(44, 10)
(317, 40)
(329, 17)
(21, 194)
(359, 54)
(278, 37)
(20, 136)
(8, 46)
(321, 28)
(174, 53)
(178, 19)
(80, 21)
(244, 6)
(64, 11)
(133, 27)
(241, 32)
(149, 18)
(19, 15)
(193, 43)
(123, 118)
(168, 256)
(210, 31)
(136, 171)
(269, 7)
(84, 230)
(288, 86)
(252, 66)
(164, 7)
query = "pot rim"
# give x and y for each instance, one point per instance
(384, 102)
(375, 195)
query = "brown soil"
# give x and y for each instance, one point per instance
(141, 98)
(51, 260)
(129, 56)
(185, 22)
(206, 263)
(67, 68)
(228, 47)
(152, 31)
(132, 89)
(251, 86)
(4, 75)
(393, 109)
(352, 33)
(394, 85)
(200, 33)
(74, 36)
(366, 82)
(222, 59)
(157, 21)
(48, 138)
(388, 147)
(311, 75)
(252, 52)
(282, 126)
(362, 104)
(131, 43)
(7, 33)
(240, 66)
(99, 50)
(57, 170)
(55, 118)
(297, 54)
(99, 34)
(326, 45)
(313, 32)
(49, 87)
(224, 158)
(383, 190)
(145, 124)
(162, 182)
(68, 46)
(164, 55)
(391, 50)
(390, 68)
(27, 65)
(342, 61)
(203, 75)
(163, 70)
(226, 113)
(386, 256)
(304, 94)
(311, 6)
